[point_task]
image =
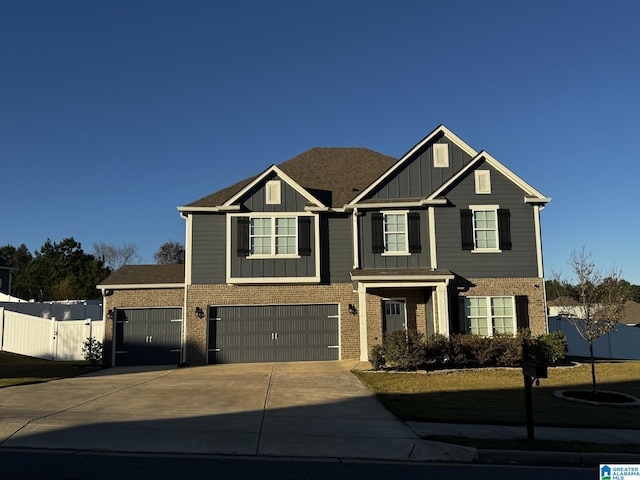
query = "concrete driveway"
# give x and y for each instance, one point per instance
(305, 409)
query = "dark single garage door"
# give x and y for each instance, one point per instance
(273, 333)
(148, 336)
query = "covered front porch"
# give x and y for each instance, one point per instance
(399, 299)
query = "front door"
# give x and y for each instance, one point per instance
(395, 315)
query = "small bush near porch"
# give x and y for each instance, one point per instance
(411, 350)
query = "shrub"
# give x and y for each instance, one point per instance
(552, 347)
(437, 349)
(377, 357)
(92, 351)
(505, 350)
(469, 350)
(404, 349)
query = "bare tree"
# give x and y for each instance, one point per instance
(598, 301)
(170, 252)
(115, 257)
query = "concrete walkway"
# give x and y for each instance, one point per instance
(310, 409)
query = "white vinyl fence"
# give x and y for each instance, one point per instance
(623, 344)
(46, 338)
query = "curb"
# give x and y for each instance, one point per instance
(526, 457)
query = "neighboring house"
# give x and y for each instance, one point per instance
(316, 258)
(5, 278)
(567, 307)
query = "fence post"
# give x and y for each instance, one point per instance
(54, 339)
(1, 329)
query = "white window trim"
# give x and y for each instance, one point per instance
(475, 208)
(489, 318)
(276, 198)
(442, 147)
(404, 252)
(273, 237)
(478, 174)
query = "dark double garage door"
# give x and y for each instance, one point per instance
(273, 333)
(148, 336)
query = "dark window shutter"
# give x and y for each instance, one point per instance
(457, 321)
(504, 228)
(377, 234)
(466, 228)
(242, 245)
(522, 311)
(413, 219)
(304, 236)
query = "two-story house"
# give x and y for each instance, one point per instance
(317, 257)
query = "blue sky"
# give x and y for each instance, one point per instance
(114, 113)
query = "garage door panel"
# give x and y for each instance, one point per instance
(148, 336)
(273, 333)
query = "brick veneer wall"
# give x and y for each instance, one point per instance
(533, 288)
(206, 295)
(161, 297)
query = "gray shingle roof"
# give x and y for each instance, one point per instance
(333, 175)
(146, 275)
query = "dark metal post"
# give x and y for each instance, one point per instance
(528, 391)
(528, 396)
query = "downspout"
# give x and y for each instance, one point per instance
(187, 281)
(356, 256)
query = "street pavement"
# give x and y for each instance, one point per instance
(303, 409)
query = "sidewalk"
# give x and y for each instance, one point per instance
(502, 432)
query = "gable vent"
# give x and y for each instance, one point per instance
(441, 155)
(273, 192)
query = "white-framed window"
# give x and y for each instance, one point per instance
(440, 155)
(483, 182)
(273, 236)
(485, 228)
(273, 192)
(395, 233)
(487, 316)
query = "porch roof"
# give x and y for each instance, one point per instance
(400, 275)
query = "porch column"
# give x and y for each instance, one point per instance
(362, 315)
(443, 309)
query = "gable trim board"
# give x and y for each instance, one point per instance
(439, 130)
(274, 169)
(531, 194)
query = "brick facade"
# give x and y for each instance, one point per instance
(138, 298)
(533, 288)
(417, 307)
(207, 295)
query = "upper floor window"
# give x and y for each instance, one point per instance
(273, 236)
(273, 192)
(487, 316)
(440, 155)
(395, 233)
(485, 228)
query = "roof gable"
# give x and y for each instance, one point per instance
(411, 155)
(330, 177)
(531, 194)
(261, 179)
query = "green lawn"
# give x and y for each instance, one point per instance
(21, 370)
(496, 396)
